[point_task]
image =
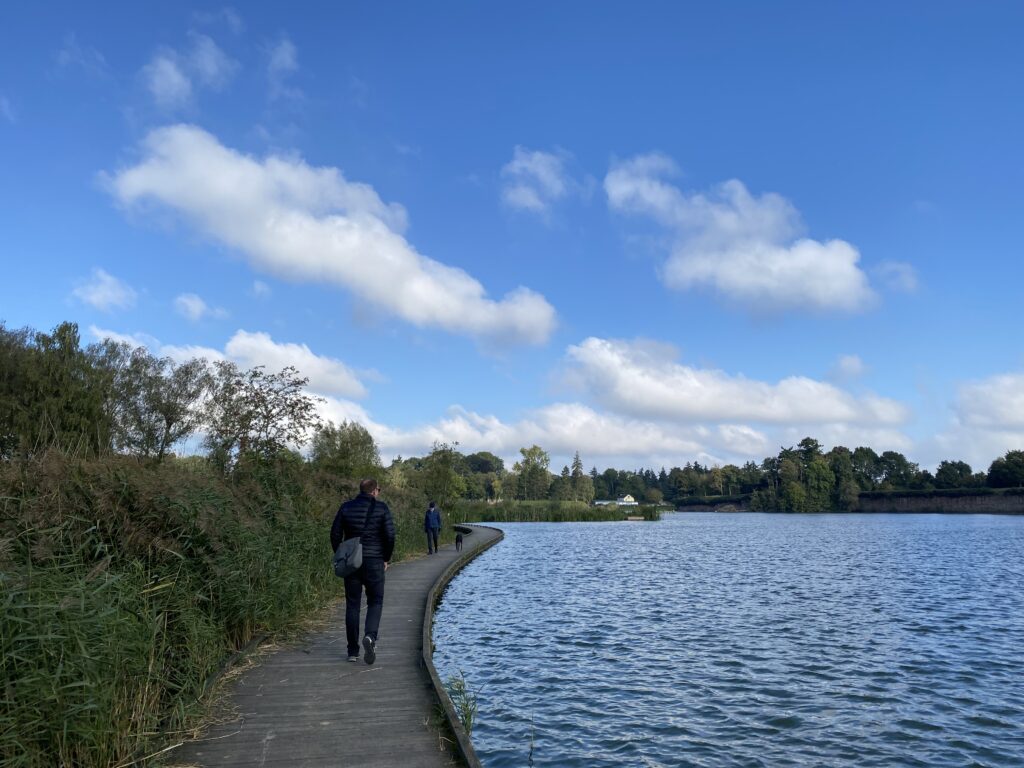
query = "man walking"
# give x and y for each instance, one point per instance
(370, 518)
(432, 526)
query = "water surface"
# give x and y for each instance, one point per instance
(745, 640)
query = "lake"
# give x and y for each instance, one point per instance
(745, 640)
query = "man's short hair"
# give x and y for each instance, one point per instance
(369, 485)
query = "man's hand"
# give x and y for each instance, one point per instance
(385, 565)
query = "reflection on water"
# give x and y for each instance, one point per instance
(745, 640)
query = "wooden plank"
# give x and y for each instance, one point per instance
(307, 705)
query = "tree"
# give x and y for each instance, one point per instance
(441, 479)
(653, 496)
(257, 414)
(534, 480)
(561, 486)
(896, 471)
(953, 474)
(820, 482)
(484, 462)
(846, 492)
(54, 394)
(809, 449)
(1008, 471)
(865, 468)
(347, 450)
(157, 403)
(582, 484)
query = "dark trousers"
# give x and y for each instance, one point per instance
(371, 578)
(432, 540)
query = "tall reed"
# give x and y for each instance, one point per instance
(123, 586)
(517, 511)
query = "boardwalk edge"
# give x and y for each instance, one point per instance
(462, 741)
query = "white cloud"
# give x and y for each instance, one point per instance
(211, 65)
(534, 180)
(167, 83)
(169, 74)
(988, 421)
(327, 375)
(194, 308)
(643, 379)
(745, 248)
(560, 428)
(131, 339)
(305, 223)
(105, 292)
(848, 367)
(282, 64)
(604, 438)
(260, 289)
(7, 110)
(993, 403)
(897, 276)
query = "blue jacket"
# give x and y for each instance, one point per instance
(432, 520)
(379, 536)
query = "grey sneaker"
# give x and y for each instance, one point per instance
(353, 659)
(370, 650)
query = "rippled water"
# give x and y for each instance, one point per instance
(745, 640)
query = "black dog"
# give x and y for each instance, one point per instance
(458, 542)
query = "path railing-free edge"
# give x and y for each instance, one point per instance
(462, 740)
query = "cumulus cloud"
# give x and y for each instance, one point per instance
(745, 248)
(534, 180)
(603, 436)
(105, 292)
(993, 403)
(304, 223)
(644, 379)
(897, 276)
(131, 339)
(194, 308)
(988, 421)
(327, 375)
(169, 75)
(560, 428)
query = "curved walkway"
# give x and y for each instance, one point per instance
(306, 705)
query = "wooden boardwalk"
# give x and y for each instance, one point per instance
(305, 705)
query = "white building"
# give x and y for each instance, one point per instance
(622, 501)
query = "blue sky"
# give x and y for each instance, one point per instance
(652, 233)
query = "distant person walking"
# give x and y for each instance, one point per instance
(432, 526)
(365, 516)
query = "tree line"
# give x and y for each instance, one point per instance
(109, 397)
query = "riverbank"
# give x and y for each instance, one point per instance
(959, 501)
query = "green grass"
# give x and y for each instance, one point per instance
(544, 511)
(123, 587)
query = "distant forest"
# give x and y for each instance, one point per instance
(108, 398)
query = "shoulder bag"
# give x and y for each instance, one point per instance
(348, 557)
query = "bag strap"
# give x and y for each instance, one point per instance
(366, 520)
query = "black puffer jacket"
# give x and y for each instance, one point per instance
(379, 536)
